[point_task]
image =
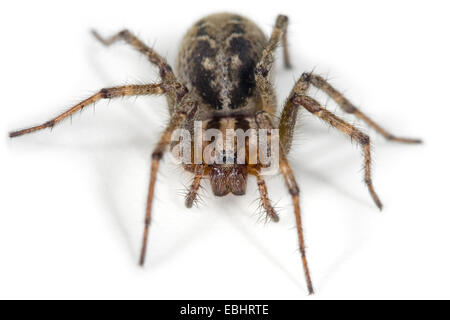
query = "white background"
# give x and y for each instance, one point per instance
(72, 200)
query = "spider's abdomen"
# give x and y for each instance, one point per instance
(217, 60)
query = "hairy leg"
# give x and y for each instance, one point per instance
(297, 99)
(195, 186)
(174, 89)
(348, 107)
(286, 56)
(107, 93)
(294, 191)
(264, 196)
(264, 65)
(185, 109)
(262, 188)
(264, 120)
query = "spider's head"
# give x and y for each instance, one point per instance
(226, 178)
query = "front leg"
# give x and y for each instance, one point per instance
(185, 110)
(192, 194)
(264, 120)
(107, 93)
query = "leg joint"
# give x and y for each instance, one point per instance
(164, 70)
(364, 139)
(303, 252)
(306, 77)
(309, 103)
(347, 106)
(50, 124)
(157, 154)
(108, 93)
(124, 33)
(262, 71)
(181, 91)
(390, 136)
(294, 190)
(282, 21)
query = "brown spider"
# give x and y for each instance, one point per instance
(223, 82)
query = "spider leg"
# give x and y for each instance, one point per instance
(175, 90)
(262, 188)
(286, 56)
(193, 190)
(265, 63)
(294, 191)
(107, 93)
(348, 107)
(185, 110)
(264, 120)
(299, 98)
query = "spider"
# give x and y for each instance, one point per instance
(223, 81)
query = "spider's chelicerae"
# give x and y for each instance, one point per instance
(223, 82)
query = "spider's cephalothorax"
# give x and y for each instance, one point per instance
(224, 82)
(216, 62)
